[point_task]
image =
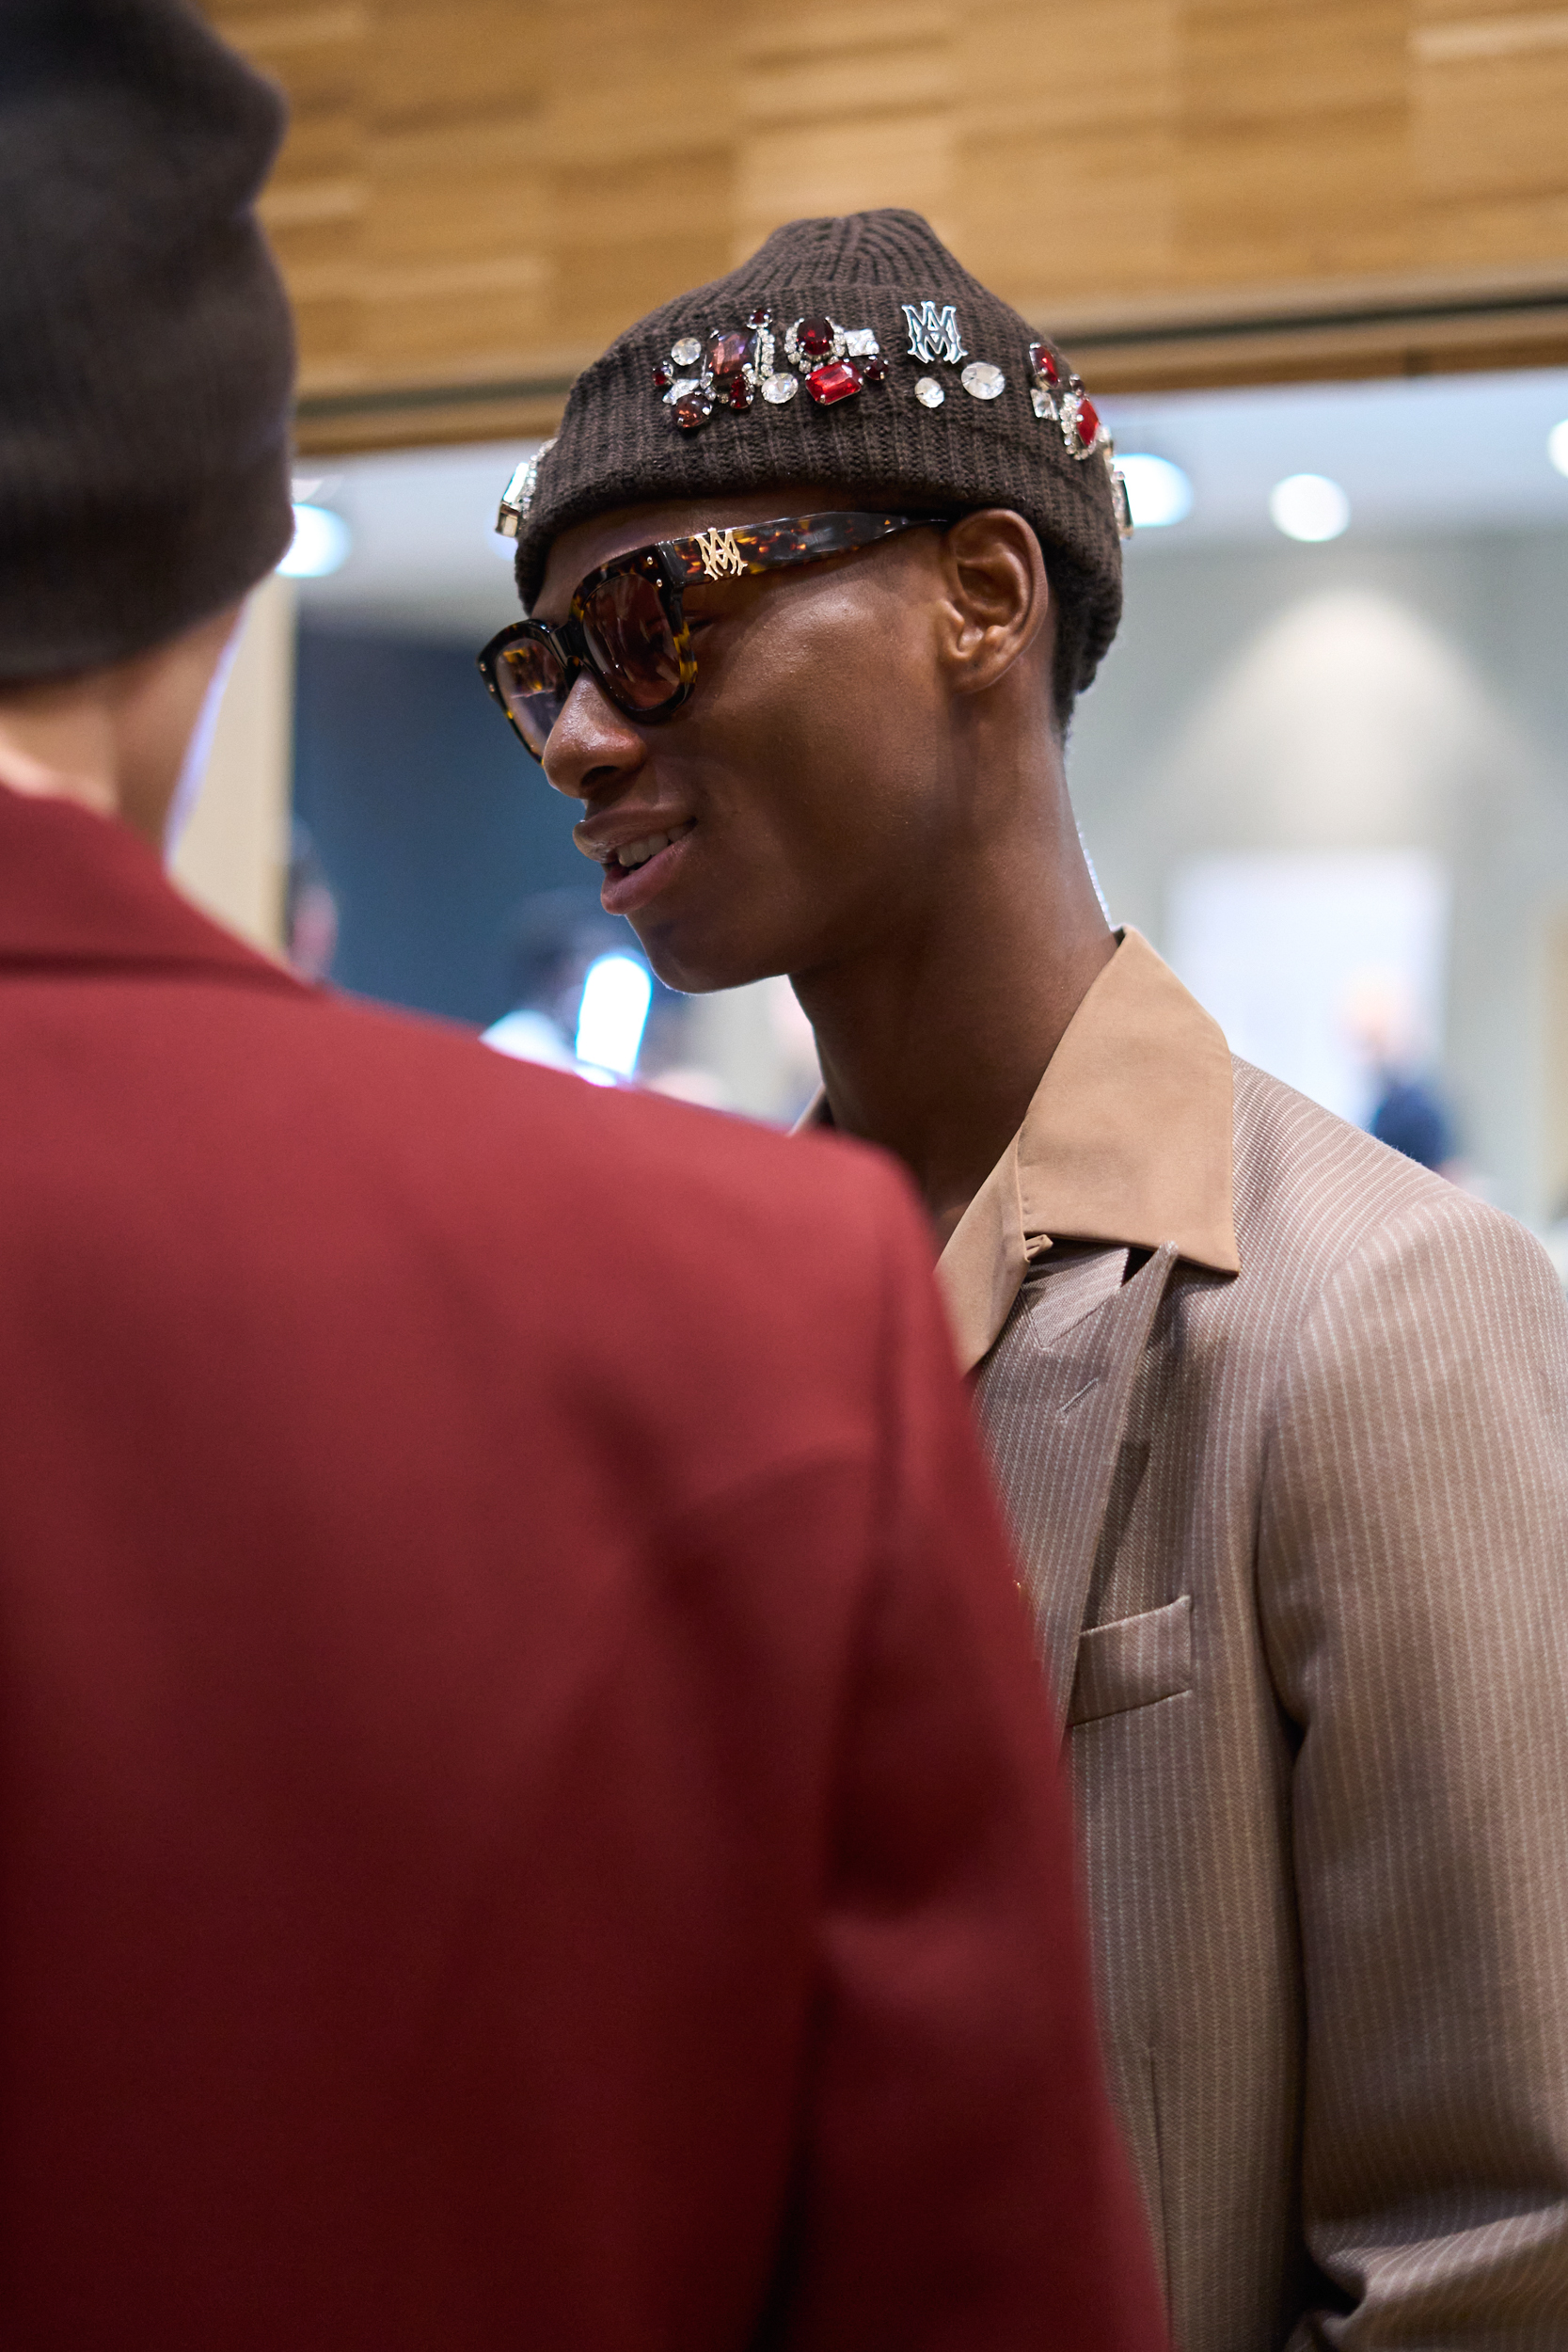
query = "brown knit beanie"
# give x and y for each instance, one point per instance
(146, 348)
(856, 352)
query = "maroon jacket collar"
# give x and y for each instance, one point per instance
(77, 889)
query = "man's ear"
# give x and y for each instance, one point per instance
(997, 596)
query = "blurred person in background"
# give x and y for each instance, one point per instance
(818, 563)
(1408, 1111)
(528, 1813)
(310, 909)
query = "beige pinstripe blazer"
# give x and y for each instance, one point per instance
(1297, 1536)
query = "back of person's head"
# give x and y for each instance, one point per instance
(146, 346)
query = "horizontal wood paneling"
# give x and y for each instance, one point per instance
(476, 195)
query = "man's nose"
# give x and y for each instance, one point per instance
(593, 747)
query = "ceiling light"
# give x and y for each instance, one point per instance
(1308, 506)
(321, 543)
(1158, 492)
(615, 997)
(1556, 446)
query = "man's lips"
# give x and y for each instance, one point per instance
(624, 888)
(629, 839)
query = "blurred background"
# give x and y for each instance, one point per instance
(1315, 258)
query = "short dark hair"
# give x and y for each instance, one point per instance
(1074, 660)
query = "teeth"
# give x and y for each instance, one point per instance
(637, 852)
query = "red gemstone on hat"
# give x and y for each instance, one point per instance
(663, 376)
(874, 370)
(1088, 423)
(739, 392)
(728, 353)
(694, 410)
(758, 317)
(1043, 363)
(814, 337)
(833, 382)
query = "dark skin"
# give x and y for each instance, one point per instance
(872, 774)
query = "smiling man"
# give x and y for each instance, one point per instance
(816, 565)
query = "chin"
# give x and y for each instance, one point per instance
(696, 965)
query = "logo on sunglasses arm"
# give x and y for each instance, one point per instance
(720, 554)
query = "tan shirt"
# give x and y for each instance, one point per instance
(1127, 1141)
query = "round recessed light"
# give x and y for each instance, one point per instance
(1158, 492)
(1308, 506)
(1556, 446)
(320, 545)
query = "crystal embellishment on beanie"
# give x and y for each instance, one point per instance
(518, 495)
(734, 364)
(929, 393)
(810, 341)
(1057, 393)
(981, 381)
(934, 333)
(838, 380)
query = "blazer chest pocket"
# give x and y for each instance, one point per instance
(1132, 1661)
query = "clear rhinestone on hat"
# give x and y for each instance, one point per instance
(1043, 403)
(929, 393)
(860, 342)
(687, 353)
(981, 380)
(679, 389)
(778, 388)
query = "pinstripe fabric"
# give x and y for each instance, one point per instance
(1305, 1595)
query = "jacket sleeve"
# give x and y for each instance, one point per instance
(962, 2183)
(1414, 1584)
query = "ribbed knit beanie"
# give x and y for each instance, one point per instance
(855, 352)
(146, 346)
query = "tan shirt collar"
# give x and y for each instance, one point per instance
(1127, 1141)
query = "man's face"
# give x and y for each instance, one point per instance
(808, 778)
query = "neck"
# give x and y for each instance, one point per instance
(57, 743)
(933, 1041)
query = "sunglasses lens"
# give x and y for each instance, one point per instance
(533, 686)
(632, 643)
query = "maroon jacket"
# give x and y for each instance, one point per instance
(525, 1809)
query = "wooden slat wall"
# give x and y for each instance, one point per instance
(476, 194)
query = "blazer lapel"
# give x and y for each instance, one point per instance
(1054, 1417)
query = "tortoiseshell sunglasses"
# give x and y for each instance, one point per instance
(627, 627)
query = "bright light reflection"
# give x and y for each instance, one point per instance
(615, 999)
(320, 545)
(1556, 446)
(1308, 506)
(1158, 492)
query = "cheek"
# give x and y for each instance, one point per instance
(820, 730)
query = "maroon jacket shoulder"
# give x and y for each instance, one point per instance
(527, 1810)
